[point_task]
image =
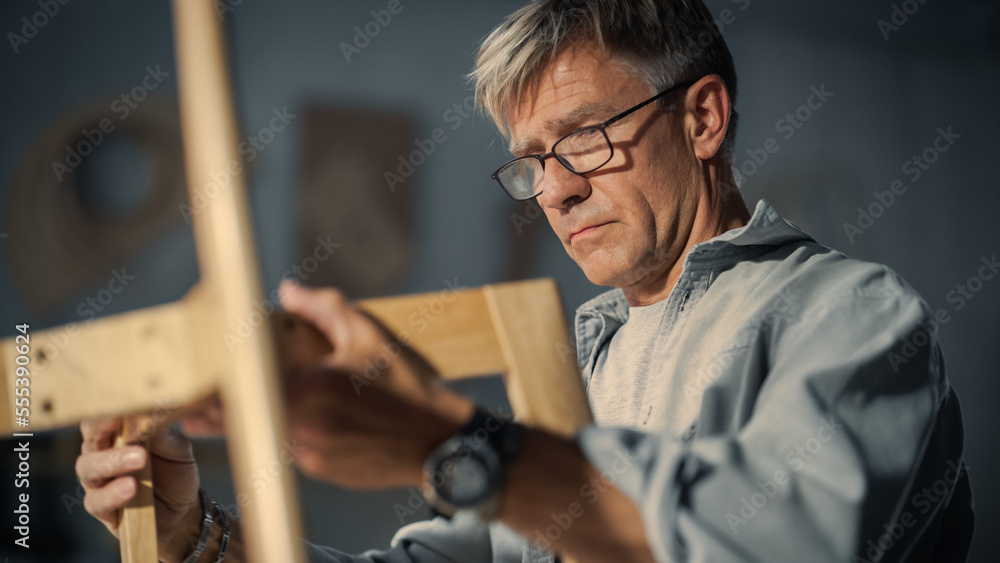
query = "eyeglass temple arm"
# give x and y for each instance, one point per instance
(629, 112)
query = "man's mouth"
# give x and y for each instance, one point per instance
(585, 232)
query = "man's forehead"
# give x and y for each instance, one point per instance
(573, 91)
(575, 116)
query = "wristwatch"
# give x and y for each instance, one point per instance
(468, 471)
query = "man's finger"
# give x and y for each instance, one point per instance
(323, 308)
(330, 312)
(96, 469)
(99, 434)
(105, 502)
(207, 419)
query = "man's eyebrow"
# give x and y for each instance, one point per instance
(574, 119)
(578, 117)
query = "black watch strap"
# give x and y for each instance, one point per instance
(503, 433)
(493, 436)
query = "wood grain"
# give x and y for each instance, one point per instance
(137, 523)
(230, 280)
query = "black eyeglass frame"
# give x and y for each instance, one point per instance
(541, 158)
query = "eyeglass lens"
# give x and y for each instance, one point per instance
(582, 152)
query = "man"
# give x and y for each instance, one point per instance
(758, 396)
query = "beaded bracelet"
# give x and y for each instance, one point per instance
(206, 527)
(224, 523)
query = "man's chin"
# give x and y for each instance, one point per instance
(605, 266)
(609, 272)
(604, 275)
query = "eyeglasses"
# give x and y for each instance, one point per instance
(581, 152)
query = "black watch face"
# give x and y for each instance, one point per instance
(467, 479)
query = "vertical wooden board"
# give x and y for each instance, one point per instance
(137, 524)
(543, 380)
(230, 277)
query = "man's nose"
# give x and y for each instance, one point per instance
(562, 188)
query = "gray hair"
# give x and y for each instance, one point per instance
(660, 42)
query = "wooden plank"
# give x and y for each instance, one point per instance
(543, 380)
(230, 277)
(8, 373)
(452, 330)
(161, 359)
(137, 524)
(141, 361)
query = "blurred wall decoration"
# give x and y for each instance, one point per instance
(64, 232)
(349, 159)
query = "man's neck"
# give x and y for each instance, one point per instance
(719, 212)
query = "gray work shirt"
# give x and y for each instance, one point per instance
(822, 425)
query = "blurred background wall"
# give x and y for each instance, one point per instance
(891, 90)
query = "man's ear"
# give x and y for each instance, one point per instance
(708, 107)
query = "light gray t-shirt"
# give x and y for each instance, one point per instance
(629, 388)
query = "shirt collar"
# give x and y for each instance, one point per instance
(766, 228)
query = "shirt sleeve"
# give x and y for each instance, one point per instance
(844, 443)
(463, 539)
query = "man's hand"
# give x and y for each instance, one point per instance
(104, 471)
(358, 429)
(205, 418)
(378, 434)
